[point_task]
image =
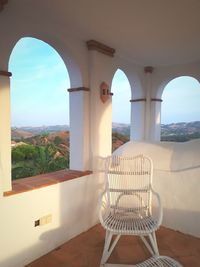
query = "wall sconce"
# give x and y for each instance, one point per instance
(105, 93)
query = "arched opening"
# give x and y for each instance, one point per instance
(39, 109)
(121, 109)
(180, 114)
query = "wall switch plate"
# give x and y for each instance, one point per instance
(44, 220)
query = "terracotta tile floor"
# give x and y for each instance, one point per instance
(85, 250)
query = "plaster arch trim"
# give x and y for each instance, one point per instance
(163, 85)
(164, 75)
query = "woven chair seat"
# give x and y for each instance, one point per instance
(120, 223)
(161, 261)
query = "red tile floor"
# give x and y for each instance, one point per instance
(85, 250)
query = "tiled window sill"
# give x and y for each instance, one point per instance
(35, 182)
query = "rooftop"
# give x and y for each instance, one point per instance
(85, 250)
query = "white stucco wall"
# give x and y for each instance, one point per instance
(79, 130)
(176, 179)
(5, 136)
(73, 205)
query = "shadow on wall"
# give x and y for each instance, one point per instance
(78, 209)
(185, 221)
(15, 260)
(74, 208)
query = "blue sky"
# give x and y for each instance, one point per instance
(40, 81)
(38, 86)
(121, 98)
(181, 101)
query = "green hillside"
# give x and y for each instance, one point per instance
(40, 154)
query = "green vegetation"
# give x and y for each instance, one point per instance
(118, 139)
(30, 160)
(57, 140)
(48, 151)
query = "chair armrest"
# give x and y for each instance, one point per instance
(104, 208)
(159, 215)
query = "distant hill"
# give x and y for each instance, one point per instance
(174, 132)
(121, 128)
(19, 133)
(180, 128)
(180, 132)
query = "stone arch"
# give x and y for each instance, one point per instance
(162, 84)
(134, 79)
(121, 108)
(137, 113)
(46, 106)
(181, 112)
(75, 73)
(125, 75)
(162, 77)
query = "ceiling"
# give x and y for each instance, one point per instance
(148, 32)
(2, 3)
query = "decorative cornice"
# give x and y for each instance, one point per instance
(138, 100)
(148, 69)
(94, 45)
(2, 3)
(156, 99)
(77, 89)
(5, 73)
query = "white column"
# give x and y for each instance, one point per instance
(79, 128)
(101, 113)
(155, 119)
(148, 86)
(5, 132)
(100, 69)
(137, 119)
(153, 108)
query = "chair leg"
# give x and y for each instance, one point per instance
(152, 244)
(147, 245)
(108, 248)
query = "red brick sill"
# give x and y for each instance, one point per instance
(42, 180)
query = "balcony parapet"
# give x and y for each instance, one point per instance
(43, 180)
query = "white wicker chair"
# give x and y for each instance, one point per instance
(126, 204)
